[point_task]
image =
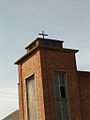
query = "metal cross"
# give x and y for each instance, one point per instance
(43, 34)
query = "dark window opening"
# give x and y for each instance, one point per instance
(62, 89)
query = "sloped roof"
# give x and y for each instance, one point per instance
(13, 116)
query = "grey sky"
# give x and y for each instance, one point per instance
(20, 23)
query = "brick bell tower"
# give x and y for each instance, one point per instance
(48, 82)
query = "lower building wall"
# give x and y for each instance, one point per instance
(84, 86)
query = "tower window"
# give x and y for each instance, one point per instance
(60, 95)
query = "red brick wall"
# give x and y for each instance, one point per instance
(20, 92)
(51, 60)
(84, 85)
(42, 63)
(32, 65)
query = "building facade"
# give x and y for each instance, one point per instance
(50, 87)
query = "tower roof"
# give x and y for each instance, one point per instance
(50, 44)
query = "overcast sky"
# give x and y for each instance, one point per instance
(20, 23)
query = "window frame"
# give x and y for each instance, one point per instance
(62, 99)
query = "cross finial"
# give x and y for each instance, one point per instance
(43, 34)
